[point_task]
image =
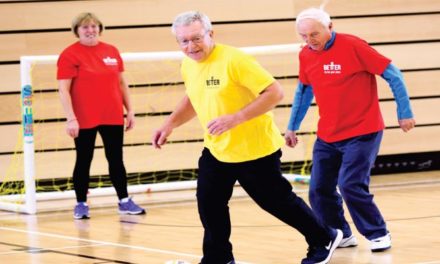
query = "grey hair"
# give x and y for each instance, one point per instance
(187, 18)
(314, 13)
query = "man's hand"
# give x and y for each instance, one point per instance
(291, 138)
(222, 124)
(407, 124)
(159, 137)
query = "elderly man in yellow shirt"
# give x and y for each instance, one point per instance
(232, 95)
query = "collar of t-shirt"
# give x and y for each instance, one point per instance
(331, 41)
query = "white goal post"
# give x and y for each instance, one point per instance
(27, 202)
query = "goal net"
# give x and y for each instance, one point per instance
(42, 160)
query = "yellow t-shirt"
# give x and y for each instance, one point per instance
(224, 83)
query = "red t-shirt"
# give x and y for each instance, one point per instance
(344, 85)
(96, 92)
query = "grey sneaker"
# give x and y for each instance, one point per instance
(346, 242)
(130, 207)
(81, 211)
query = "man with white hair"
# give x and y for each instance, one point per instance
(232, 95)
(339, 71)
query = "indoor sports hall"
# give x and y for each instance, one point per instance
(37, 157)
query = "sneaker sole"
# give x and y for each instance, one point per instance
(132, 213)
(380, 249)
(349, 246)
(349, 242)
(82, 217)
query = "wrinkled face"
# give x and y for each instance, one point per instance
(314, 33)
(88, 33)
(195, 41)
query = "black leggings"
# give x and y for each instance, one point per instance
(112, 137)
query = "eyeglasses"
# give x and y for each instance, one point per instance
(197, 39)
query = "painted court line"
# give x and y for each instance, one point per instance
(47, 249)
(91, 241)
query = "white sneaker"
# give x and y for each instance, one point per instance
(381, 243)
(346, 242)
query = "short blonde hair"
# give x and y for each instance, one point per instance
(84, 18)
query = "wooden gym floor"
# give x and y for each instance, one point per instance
(171, 230)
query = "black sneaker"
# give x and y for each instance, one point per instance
(323, 254)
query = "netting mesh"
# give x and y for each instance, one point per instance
(156, 88)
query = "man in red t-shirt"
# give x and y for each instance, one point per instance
(339, 71)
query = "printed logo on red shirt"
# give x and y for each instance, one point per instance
(110, 61)
(332, 68)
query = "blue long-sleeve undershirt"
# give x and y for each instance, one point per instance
(394, 78)
(302, 100)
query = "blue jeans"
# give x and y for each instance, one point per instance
(346, 164)
(263, 181)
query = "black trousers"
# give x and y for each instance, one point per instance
(263, 181)
(112, 137)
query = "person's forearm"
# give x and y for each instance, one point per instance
(265, 102)
(395, 80)
(66, 99)
(125, 90)
(301, 103)
(182, 114)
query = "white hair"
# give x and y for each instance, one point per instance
(187, 18)
(316, 14)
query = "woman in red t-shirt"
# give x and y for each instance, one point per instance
(93, 94)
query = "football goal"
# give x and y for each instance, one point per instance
(41, 163)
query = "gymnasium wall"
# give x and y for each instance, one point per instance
(407, 31)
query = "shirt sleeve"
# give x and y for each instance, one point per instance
(301, 103)
(371, 59)
(121, 67)
(66, 68)
(302, 74)
(249, 73)
(394, 78)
